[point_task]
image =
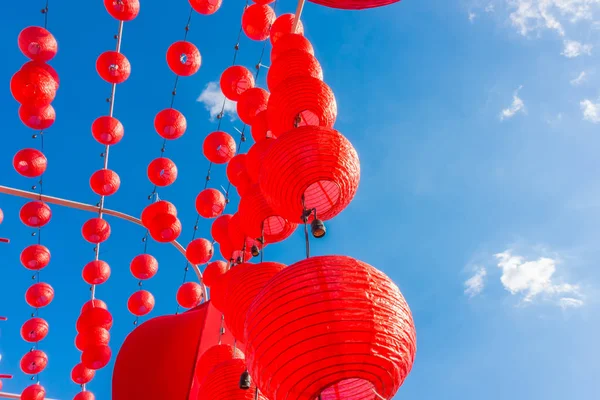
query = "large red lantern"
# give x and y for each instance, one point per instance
(162, 171)
(140, 303)
(284, 25)
(257, 20)
(165, 228)
(170, 124)
(260, 127)
(37, 43)
(183, 58)
(189, 295)
(33, 392)
(123, 10)
(105, 182)
(33, 86)
(113, 67)
(213, 357)
(219, 147)
(34, 362)
(223, 383)
(354, 4)
(220, 228)
(96, 357)
(39, 295)
(94, 336)
(293, 63)
(210, 203)
(38, 118)
(250, 103)
(206, 7)
(82, 375)
(366, 339)
(85, 395)
(144, 266)
(34, 330)
(107, 130)
(94, 317)
(236, 171)
(291, 41)
(236, 80)
(155, 209)
(96, 272)
(199, 251)
(213, 271)
(96, 230)
(30, 162)
(35, 214)
(255, 158)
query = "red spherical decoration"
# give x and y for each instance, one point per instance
(95, 336)
(260, 127)
(38, 118)
(113, 67)
(165, 228)
(213, 357)
(39, 295)
(34, 330)
(33, 65)
(206, 7)
(96, 272)
(33, 392)
(93, 304)
(256, 157)
(34, 362)
(123, 10)
(230, 253)
(140, 303)
(144, 266)
(236, 80)
(30, 162)
(162, 171)
(105, 182)
(293, 63)
(189, 295)
(219, 147)
(199, 251)
(220, 228)
(218, 291)
(35, 214)
(354, 4)
(183, 58)
(82, 375)
(223, 383)
(33, 86)
(96, 357)
(37, 43)
(84, 396)
(107, 130)
(95, 317)
(291, 41)
(210, 203)
(155, 209)
(96, 230)
(284, 25)
(236, 170)
(170, 124)
(250, 103)
(366, 339)
(213, 271)
(238, 238)
(257, 20)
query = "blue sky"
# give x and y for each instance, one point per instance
(477, 124)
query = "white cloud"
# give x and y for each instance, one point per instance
(591, 111)
(517, 106)
(475, 284)
(472, 16)
(569, 302)
(574, 49)
(213, 99)
(580, 79)
(490, 8)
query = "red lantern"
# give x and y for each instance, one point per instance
(155, 209)
(82, 375)
(236, 171)
(38, 118)
(256, 157)
(218, 291)
(366, 340)
(291, 41)
(93, 304)
(96, 230)
(113, 67)
(250, 103)
(210, 203)
(34, 65)
(37, 43)
(165, 228)
(39, 295)
(162, 171)
(35, 214)
(105, 182)
(260, 127)
(33, 392)
(34, 330)
(96, 357)
(238, 238)
(293, 63)
(34, 362)
(95, 336)
(144, 266)
(354, 4)
(257, 20)
(183, 58)
(219, 147)
(96, 272)
(220, 228)
(84, 396)
(107, 130)
(199, 251)
(206, 7)
(140, 303)
(213, 271)
(230, 253)
(213, 357)
(189, 295)
(223, 383)
(30, 162)
(122, 10)
(170, 124)
(33, 86)
(284, 25)
(95, 317)
(236, 80)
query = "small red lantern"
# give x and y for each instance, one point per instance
(95, 336)
(35, 214)
(257, 20)
(33, 392)
(39, 295)
(96, 272)
(238, 238)
(33, 86)
(38, 118)
(96, 230)
(30, 162)
(144, 266)
(170, 124)
(236, 171)
(256, 157)
(220, 228)
(199, 251)
(218, 291)
(354, 4)
(260, 127)
(250, 103)
(291, 41)
(213, 271)
(293, 63)
(34, 362)
(219, 147)
(122, 10)
(232, 254)
(34, 65)
(113, 67)
(213, 357)
(105, 182)
(162, 171)
(206, 7)
(34, 330)
(284, 25)
(140, 303)
(189, 295)
(210, 203)
(96, 357)
(183, 58)
(107, 130)
(95, 317)
(85, 395)
(82, 375)
(236, 80)
(156, 209)
(37, 43)
(223, 383)
(165, 228)
(96, 303)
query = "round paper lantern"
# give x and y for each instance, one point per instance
(213, 357)
(96, 303)
(236, 80)
(256, 157)
(189, 295)
(113, 67)
(96, 357)
(236, 170)
(199, 251)
(34, 362)
(39, 295)
(250, 103)
(107, 130)
(96, 272)
(35, 214)
(366, 336)
(96, 230)
(183, 58)
(144, 266)
(162, 171)
(105, 182)
(35, 257)
(293, 63)
(140, 303)
(33, 86)
(218, 291)
(284, 25)
(84, 396)
(291, 41)
(220, 228)
(123, 10)
(170, 124)
(30, 163)
(37, 43)
(33, 392)
(33, 65)
(354, 4)
(94, 317)
(245, 283)
(213, 271)
(210, 203)
(155, 209)
(238, 237)
(260, 127)
(82, 375)
(219, 147)
(95, 336)
(300, 101)
(223, 383)
(34, 330)
(206, 7)
(228, 252)
(38, 118)
(165, 228)
(257, 20)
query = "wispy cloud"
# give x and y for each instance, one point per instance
(472, 16)
(590, 110)
(475, 284)
(581, 78)
(214, 101)
(517, 106)
(490, 8)
(569, 302)
(573, 48)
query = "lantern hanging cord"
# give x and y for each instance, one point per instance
(45, 12)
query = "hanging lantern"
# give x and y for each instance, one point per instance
(293, 63)
(39, 295)
(284, 25)
(33, 65)
(143, 266)
(300, 101)
(206, 7)
(228, 252)
(365, 340)
(95, 303)
(113, 67)
(95, 317)
(189, 295)
(37, 43)
(96, 357)
(291, 41)
(223, 383)
(250, 103)
(354, 4)
(105, 182)
(84, 396)
(199, 251)
(140, 303)
(183, 58)
(260, 127)
(238, 238)
(34, 330)
(96, 272)
(33, 392)
(213, 271)
(30, 163)
(170, 124)
(213, 357)
(122, 10)
(219, 147)
(34, 362)
(94, 336)
(82, 375)
(96, 230)
(236, 80)
(165, 228)
(218, 291)
(107, 130)
(162, 171)
(255, 158)
(33, 86)
(155, 209)
(236, 171)
(38, 118)
(220, 228)
(210, 203)
(257, 20)
(35, 214)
